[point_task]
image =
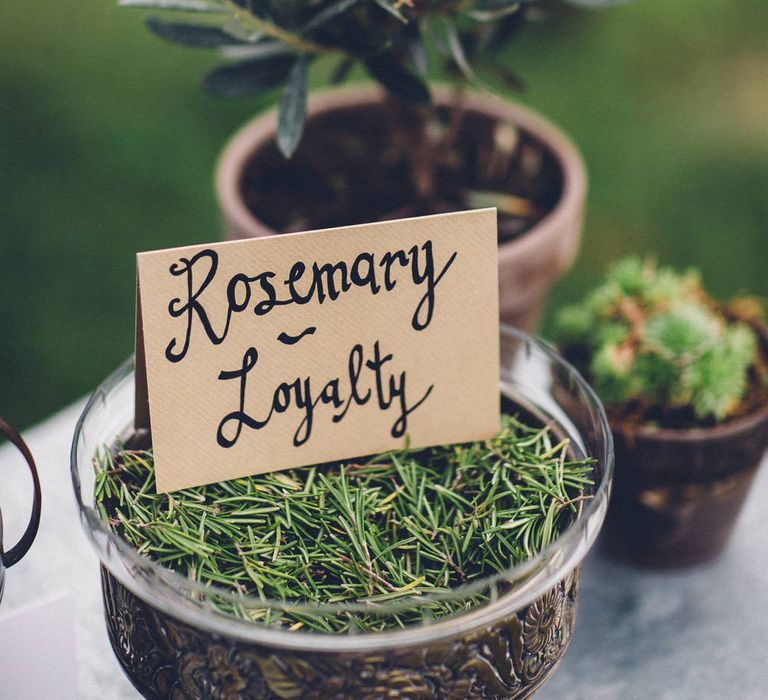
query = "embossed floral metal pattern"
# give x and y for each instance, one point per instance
(166, 658)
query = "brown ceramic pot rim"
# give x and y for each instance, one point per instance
(547, 232)
(730, 429)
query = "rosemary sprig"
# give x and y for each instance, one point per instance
(399, 525)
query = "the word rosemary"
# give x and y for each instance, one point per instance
(403, 524)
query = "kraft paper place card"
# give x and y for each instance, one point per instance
(297, 349)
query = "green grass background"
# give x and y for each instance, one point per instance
(107, 147)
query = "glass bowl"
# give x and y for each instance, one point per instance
(173, 638)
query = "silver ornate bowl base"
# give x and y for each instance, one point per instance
(166, 658)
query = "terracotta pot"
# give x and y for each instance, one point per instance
(678, 493)
(528, 265)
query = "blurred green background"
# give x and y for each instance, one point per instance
(107, 147)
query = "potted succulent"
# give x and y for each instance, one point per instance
(685, 383)
(405, 150)
(451, 572)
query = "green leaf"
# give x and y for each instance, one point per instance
(260, 49)
(573, 324)
(398, 80)
(633, 276)
(418, 55)
(293, 108)
(596, 3)
(199, 36)
(658, 379)
(718, 379)
(342, 70)
(613, 375)
(180, 5)
(236, 28)
(456, 48)
(390, 7)
(684, 332)
(327, 14)
(487, 5)
(492, 10)
(250, 77)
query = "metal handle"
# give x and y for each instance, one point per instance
(14, 554)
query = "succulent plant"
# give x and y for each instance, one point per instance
(651, 336)
(271, 43)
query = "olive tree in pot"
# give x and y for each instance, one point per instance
(407, 150)
(685, 383)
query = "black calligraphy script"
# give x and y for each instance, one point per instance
(369, 375)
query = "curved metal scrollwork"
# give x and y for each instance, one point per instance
(166, 658)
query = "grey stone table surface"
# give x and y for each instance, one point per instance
(640, 635)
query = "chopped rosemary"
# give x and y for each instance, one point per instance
(399, 525)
